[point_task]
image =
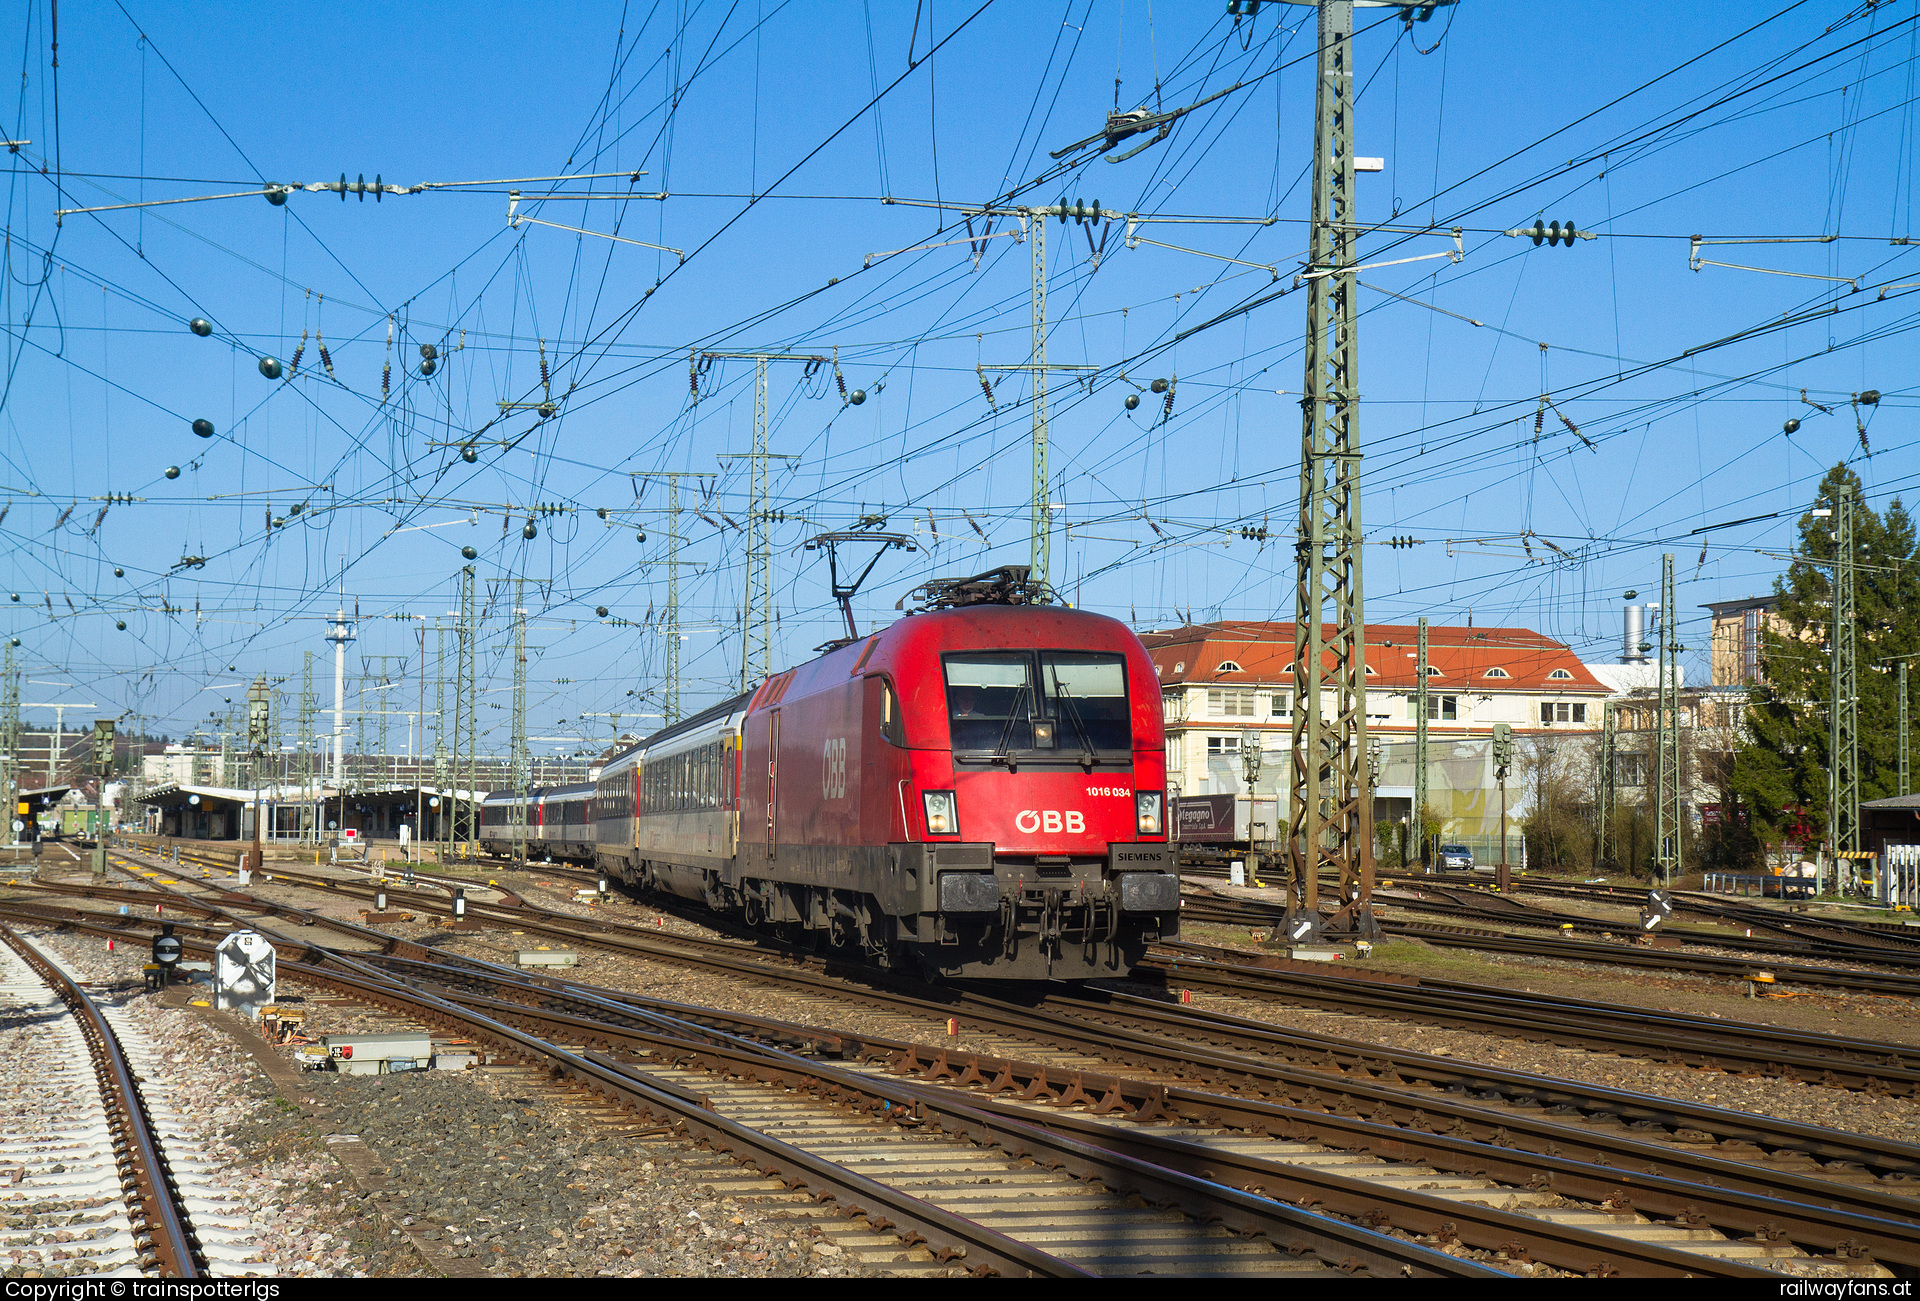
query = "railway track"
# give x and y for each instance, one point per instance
(1091, 1227)
(1009, 1191)
(1161, 1038)
(1250, 913)
(1699, 1041)
(1366, 1165)
(89, 1171)
(1798, 925)
(1790, 936)
(882, 1159)
(1322, 1096)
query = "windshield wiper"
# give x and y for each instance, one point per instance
(1087, 756)
(1002, 751)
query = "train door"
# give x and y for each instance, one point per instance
(773, 779)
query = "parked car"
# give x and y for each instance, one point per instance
(1454, 858)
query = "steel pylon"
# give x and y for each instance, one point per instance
(1331, 821)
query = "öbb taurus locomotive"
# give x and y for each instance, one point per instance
(975, 791)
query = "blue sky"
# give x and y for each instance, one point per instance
(1647, 124)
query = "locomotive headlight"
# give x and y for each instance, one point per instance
(942, 820)
(1147, 805)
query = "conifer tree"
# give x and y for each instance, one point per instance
(1784, 764)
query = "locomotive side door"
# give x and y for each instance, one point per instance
(773, 778)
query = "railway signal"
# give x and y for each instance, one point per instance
(103, 729)
(1502, 749)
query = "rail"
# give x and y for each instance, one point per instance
(144, 1174)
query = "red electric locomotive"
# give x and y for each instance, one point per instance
(977, 790)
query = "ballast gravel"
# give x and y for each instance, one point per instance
(489, 1172)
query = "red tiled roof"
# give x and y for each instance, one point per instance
(1463, 656)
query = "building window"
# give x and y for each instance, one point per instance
(1229, 704)
(1282, 703)
(1498, 673)
(1222, 745)
(1561, 711)
(1444, 708)
(1228, 666)
(1560, 675)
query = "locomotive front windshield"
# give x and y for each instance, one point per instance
(1065, 703)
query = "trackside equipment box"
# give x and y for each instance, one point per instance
(377, 1054)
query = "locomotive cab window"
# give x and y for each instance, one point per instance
(893, 728)
(1066, 704)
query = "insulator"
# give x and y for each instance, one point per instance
(693, 377)
(1792, 425)
(326, 359)
(600, 610)
(200, 326)
(386, 380)
(204, 428)
(270, 367)
(841, 380)
(299, 348)
(1539, 420)
(173, 472)
(1133, 402)
(468, 553)
(988, 390)
(545, 383)
(1166, 411)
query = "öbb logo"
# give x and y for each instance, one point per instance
(833, 780)
(1050, 820)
